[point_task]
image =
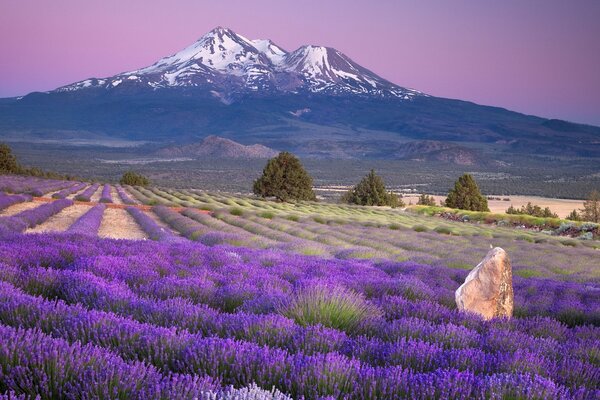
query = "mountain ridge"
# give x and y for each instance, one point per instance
(224, 60)
(314, 101)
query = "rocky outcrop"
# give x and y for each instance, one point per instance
(218, 147)
(488, 289)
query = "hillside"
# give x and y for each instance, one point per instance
(218, 147)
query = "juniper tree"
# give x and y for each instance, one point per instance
(591, 207)
(284, 178)
(371, 191)
(466, 195)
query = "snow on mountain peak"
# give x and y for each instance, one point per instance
(225, 61)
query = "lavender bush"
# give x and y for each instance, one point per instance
(124, 196)
(87, 194)
(183, 320)
(9, 200)
(35, 216)
(106, 196)
(69, 191)
(88, 223)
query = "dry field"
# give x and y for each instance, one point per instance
(560, 206)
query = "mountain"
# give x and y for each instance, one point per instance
(314, 101)
(228, 63)
(218, 147)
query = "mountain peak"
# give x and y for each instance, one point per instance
(227, 63)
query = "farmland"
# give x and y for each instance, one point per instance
(118, 291)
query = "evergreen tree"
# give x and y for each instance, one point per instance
(8, 162)
(134, 179)
(466, 195)
(370, 191)
(591, 207)
(425, 200)
(574, 216)
(284, 178)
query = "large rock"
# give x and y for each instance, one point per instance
(488, 289)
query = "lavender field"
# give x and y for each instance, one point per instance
(230, 297)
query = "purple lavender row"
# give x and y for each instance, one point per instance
(433, 287)
(88, 223)
(30, 218)
(9, 200)
(151, 228)
(88, 193)
(184, 225)
(124, 196)
(68, 191)
(241, 363)
(106, 196)
(483, 353)
(31, 185)
(37, 364)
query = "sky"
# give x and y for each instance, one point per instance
(539, 57)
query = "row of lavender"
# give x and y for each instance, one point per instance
(220, 316)
(40, 187)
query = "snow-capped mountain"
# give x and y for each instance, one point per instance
(225, 63)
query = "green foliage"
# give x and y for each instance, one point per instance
(134, 179)
(8, 162)
(333, 307)
(284, 178)
(533, 210)
(466, 195)
(238, 212)
(574, 216)
(426, 200)
(293, 218)
(420, 228)
(591, 207)
(267, 215)
(443, 230)
(370, 191)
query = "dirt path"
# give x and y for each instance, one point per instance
(62, 221)
(97, 194)
(17, 208)
(119, 224)
(115, 196)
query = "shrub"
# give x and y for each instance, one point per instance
(466, 195)
(532, 209)
(420, 228)
(134, 179)
(370, 191)
(267, 215)
(284, 178)
(443, 230)
(425, 200)
(236, 211)
(331, 306)
(574, 216)
(293, 218)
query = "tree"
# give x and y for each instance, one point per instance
(466, 195)
(284, 178)
(8, 162)
(532, 209)
(426, 200)
(370, 191)
(591, 207)
(134, 179)
(574, 216)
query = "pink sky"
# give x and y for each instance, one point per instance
(537, 57)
